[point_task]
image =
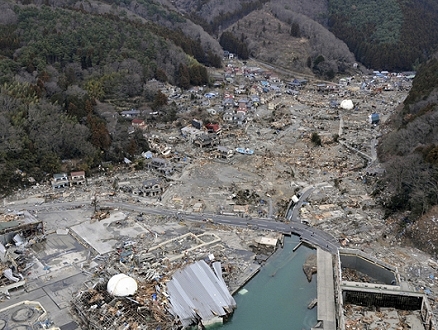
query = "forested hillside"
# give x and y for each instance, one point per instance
(409, 189)
(393, 35)
(56, 63)
(288, 40)
(389, 34)
(289, 34)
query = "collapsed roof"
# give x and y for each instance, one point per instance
(199, 292)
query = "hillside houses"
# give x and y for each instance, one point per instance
(133, 113)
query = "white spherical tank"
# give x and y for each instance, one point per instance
(121, 285)
(347, 104)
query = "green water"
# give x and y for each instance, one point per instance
(278, 295)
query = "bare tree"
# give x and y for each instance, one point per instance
(130, 85)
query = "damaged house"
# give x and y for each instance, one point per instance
(161, 165)
(206, 140)
(152, 187)
(60, 180)
(223, 152)
(77, 178)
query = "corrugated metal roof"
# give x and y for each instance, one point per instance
(198, 292)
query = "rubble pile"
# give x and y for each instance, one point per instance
(152, 262)
(345, 211)
(147, 307)
(19, 231)
(98, 309)
(353, 275)
(359, 317)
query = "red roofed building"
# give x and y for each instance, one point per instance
(77, 178)
(138, 123)
(213, 128)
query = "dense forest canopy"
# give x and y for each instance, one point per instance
(230, 43)
(65, 36)
(423, 88)
(225, 19)
(388, 34)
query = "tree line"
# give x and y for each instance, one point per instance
(234, 45)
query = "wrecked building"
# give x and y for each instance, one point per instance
(17, 231)
(223, 152)
(60, 180)
(152, 187)
(373, 288)
(165, 288)
(206, 140)
(199, 293)
(161, 165)
(77, 178)
(18, 227)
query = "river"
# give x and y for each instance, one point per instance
(278, 295)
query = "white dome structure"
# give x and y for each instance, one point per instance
(121, 285)
(347, 104)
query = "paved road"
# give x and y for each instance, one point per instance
(295, 213)
(294, 226)
(307, 234)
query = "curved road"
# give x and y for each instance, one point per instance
(307, 234)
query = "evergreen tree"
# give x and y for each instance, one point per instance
(295, 30)
(183, 77)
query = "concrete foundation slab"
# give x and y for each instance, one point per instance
(103, 235)
(55, 253)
